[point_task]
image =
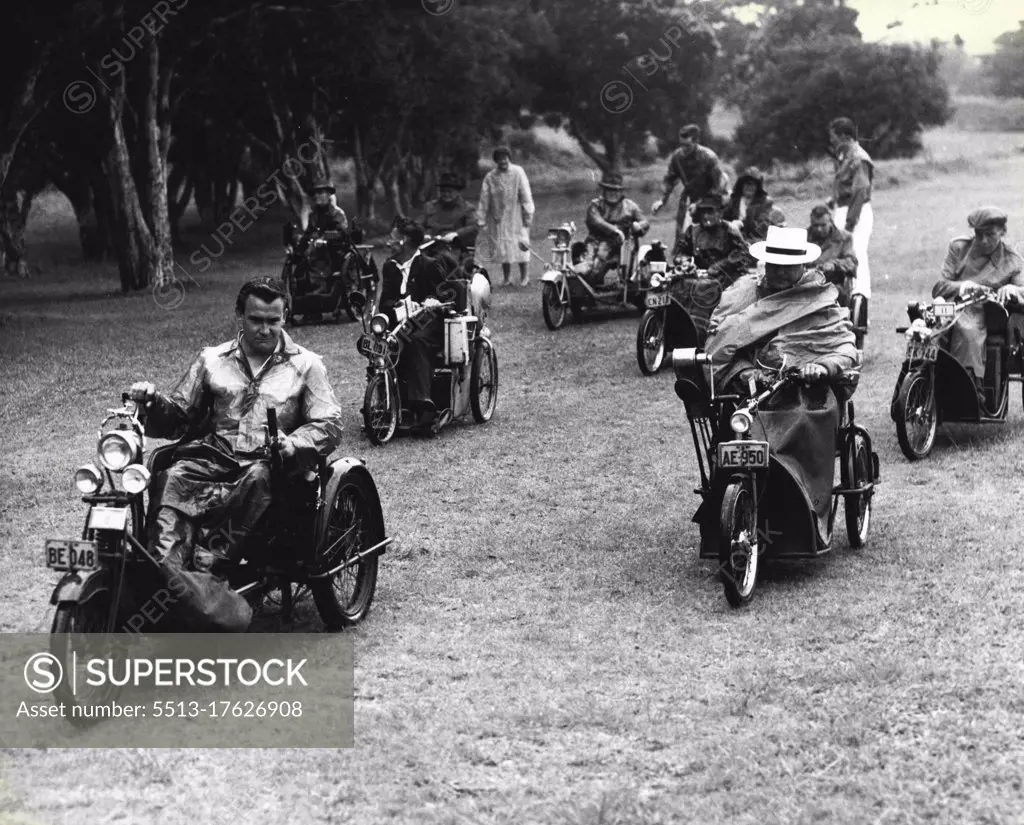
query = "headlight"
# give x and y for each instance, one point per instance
(379, 324)
(657, 279)
(88, 479)
(118, 449)
(135, 479)
(740, 422)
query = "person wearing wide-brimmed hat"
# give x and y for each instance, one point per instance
(504, 213)
(326, 215)
(613, 217)
(449, 215)
(982, 259)
(749, 208)
(713, 244)
(788, 317)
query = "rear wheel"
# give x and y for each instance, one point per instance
(650, 342)
(738, 553)
(381, 408)
(354, 523)
(856, 472)
(483, 389)
(916, 415)
(70, 621)
(554, 310)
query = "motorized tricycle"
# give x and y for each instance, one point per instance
(679, 304)
(464, 372)
(934, 388)
(326, 274)
(563, 290)
(321, 536)
(753, 504)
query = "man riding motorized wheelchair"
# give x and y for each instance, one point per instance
(769, 409)
(327, 270)
(232, 498)
(430, 356)
(965, 348)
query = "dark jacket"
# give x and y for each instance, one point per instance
(459, 217)
(327, 219)
(759, 210)
(721, 250)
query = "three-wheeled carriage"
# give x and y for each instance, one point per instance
(754, 466)
(933, 387)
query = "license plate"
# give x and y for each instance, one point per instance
(66, 555)
(944, 310)
(920, 351)
(372, 345)
(102, 517)
(743, 454)
(657, 299)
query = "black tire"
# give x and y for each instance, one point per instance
(916, 415)
(554, 310)
(650, 342)
(856, 471)
(738, 549)
(70, 620)
(483, 389)
(352, 515)
(380, 416)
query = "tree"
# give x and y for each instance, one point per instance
(1006, 67)
(890, 91)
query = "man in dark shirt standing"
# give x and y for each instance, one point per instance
(700, 172)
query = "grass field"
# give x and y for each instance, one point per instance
(545, 646)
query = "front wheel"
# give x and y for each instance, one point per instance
(71, 620)
(483, 388)
(352, 523)
(554, 310)
(381, 408)
(738, 553)
(650, 342)
(856, 472)
(916, 415)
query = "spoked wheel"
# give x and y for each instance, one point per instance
(738, 550)
(483, 389)
(70, 621)
(554, 310)
(353, 524)
(856, 472)
(916, 415)
(381, 409)
(650, 342)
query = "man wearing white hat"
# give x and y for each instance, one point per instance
(789, 314)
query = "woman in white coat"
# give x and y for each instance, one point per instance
(504, 213)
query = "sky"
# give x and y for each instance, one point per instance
(978, 22)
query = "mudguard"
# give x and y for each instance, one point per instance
(680, 330)
(338, 469)
(81, 587)
(552, 276)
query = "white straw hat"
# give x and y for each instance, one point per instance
(785, 245)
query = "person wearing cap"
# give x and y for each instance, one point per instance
(223, 476)
(788, 317)
(851, 197)
(504, 213)
(838, 262)
(612, 217)
(713, 244)
(982, 259)
(749, 208)
(449, 215)
(700, 172)
(326, 215)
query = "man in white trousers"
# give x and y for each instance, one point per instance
(851, 199)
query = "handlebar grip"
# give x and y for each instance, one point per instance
(902, 329)
(272, 422)
(125, 397)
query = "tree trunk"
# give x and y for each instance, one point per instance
(22, 113)
(13, 217)
(604, 162)
(179, 193)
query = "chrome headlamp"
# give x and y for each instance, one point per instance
(740, 422)
(379, 324)
(657, 279)
(135, 479)
(88, 479)
(118, 449)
